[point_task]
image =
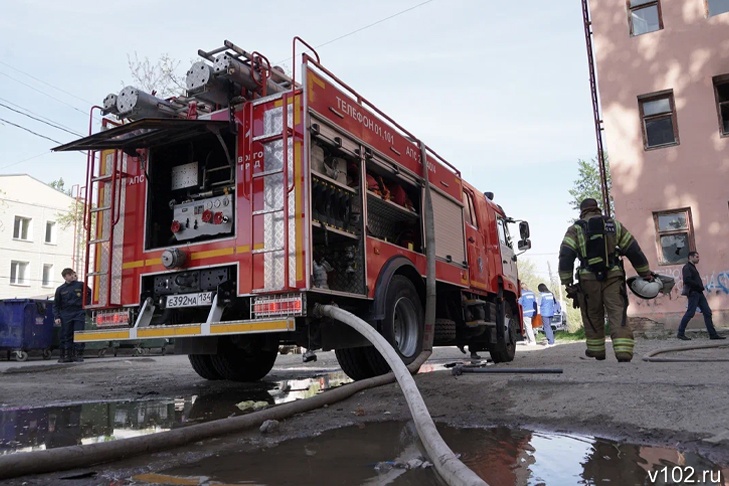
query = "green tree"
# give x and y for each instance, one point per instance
(588, 183)
(60, 185)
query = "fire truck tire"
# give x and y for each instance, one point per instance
(203, 366)
(240, 364)
(402, 326)
(354, 363)
(504, 351)
(445, 330)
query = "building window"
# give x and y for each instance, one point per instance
(675, 236)
(658, 116)
(50, 232)
(21, 231)
(47, 275)
(716, 7)
(18, 273)
(721, 93)
(645, 16)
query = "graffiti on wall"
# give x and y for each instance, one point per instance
(716, 283)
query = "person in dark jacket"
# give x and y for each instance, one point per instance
(694, 289)
(69, 313)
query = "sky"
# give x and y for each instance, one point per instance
(499, 89)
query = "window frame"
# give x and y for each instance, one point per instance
(707, 11)
(47, 267)
(722, 79)
(689, 231)
(54, 233)
(29, 229)
(643, 118)
(26, 280)
(631, 9)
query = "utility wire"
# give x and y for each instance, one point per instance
(374, 23)
(42, 121)
(47, 84)
(29, 130)
(24, 160)
(34, 113)
(44, 93)
(365, 27)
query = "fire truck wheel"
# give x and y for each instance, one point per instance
(502, 352)
(354, 363)
(203, 366)
(402, 326)
(247, 363)
(445, 331)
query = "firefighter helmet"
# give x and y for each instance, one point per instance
(645, 289)
(667, 283)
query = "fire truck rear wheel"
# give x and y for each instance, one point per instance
(203, 366)
(244, 363)
(402, 326)
(502, 352)
(354, 363)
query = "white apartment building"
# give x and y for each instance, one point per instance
(34, 247)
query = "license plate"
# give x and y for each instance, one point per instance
(189, 300)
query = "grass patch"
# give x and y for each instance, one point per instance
(578, 335)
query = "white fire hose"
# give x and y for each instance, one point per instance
(451, 469)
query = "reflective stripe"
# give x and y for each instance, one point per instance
(596, 345)
(623, 345)
(570, 243)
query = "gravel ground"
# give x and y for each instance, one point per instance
(677, 404)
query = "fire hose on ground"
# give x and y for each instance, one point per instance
(651, 357)
(445, 462)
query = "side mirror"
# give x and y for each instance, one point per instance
(524, 230)
(524, 244)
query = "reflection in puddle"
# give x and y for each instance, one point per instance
(29, 429)
(389, 453)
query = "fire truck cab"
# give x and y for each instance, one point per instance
(221, 218)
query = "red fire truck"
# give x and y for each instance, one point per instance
(221, 218)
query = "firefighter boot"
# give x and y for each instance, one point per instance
(623, 348)
(594, 354)
(64, 356)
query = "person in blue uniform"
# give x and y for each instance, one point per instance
(69, 313)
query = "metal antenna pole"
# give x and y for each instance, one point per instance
(596, 108)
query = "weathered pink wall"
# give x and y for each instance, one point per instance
(683, 56)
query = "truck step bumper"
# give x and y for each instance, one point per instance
(186, 330)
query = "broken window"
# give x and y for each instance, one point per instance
(675, 236)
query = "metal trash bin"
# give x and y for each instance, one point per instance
(26, 325)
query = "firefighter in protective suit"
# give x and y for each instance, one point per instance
(599, 242)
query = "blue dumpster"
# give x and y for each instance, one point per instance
(26, 325)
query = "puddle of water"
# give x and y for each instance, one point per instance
(29, 429)
(379, 453)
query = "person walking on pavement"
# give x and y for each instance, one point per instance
(528, 302)
(695, 292)
(547, 307)
(599, 242)
(69, 313)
